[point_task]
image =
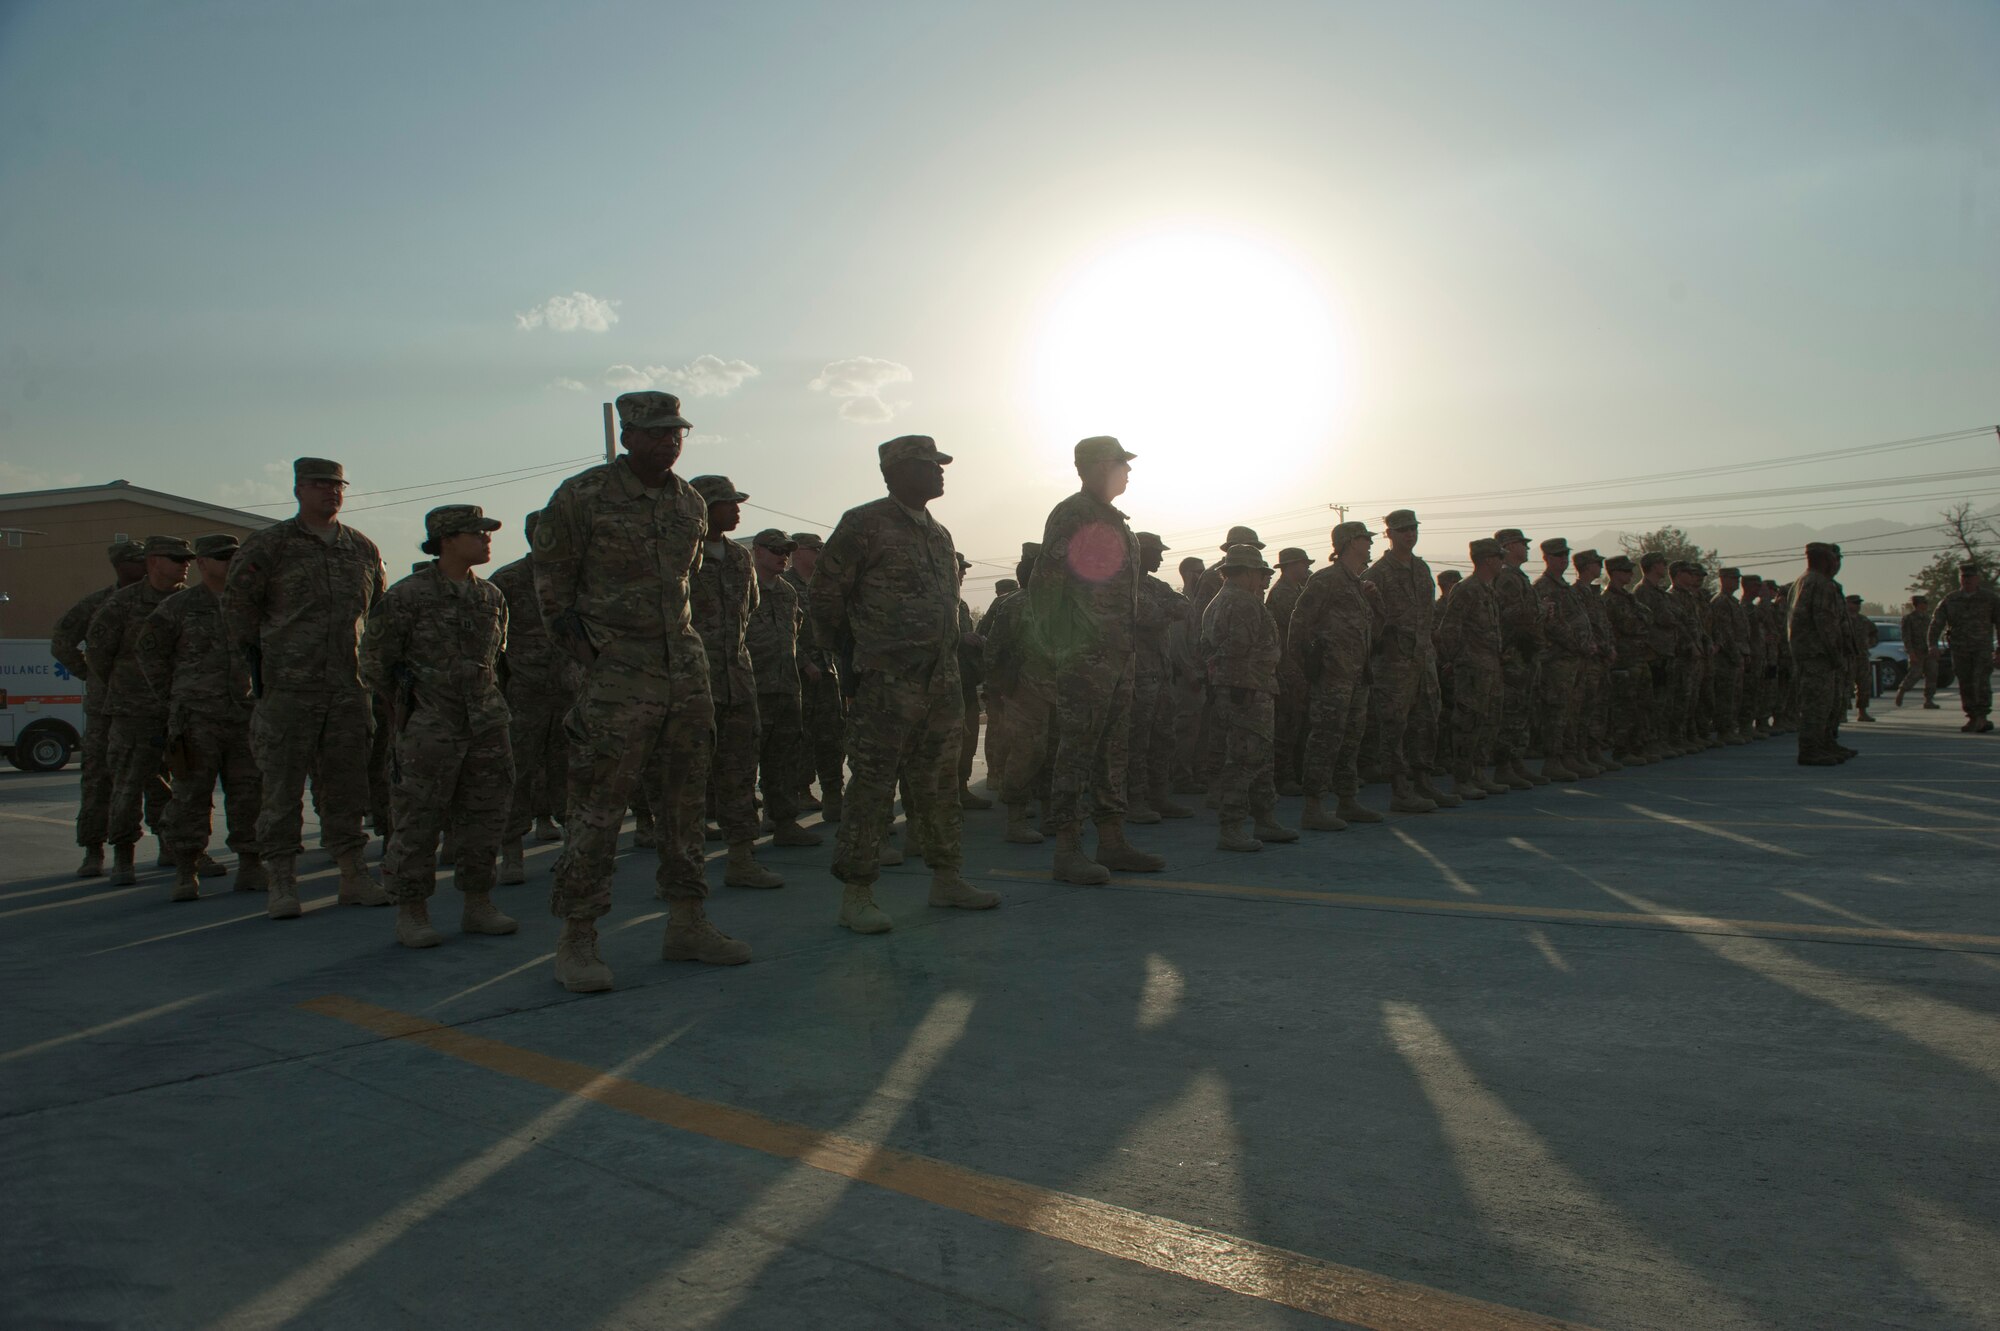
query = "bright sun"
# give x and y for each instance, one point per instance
(1211, 356)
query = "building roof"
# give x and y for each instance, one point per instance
(22, 500)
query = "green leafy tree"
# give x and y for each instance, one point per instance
(1967, 539)
(1674, 543)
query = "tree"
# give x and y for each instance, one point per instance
(1968, 539)
(1674, 543)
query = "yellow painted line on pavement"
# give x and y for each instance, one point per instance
(1652, 919)
(1225, 1261)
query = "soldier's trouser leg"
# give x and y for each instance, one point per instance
(1093, 728)
(1392, 693)
(823, 718)
(541, 759)
(1139, 748)
(900, 722)
(1692, 673)
(1517, 683)
(1339, 712)
(1555, 701)
(242, 787)
(1622, 725)
(322, 735)
(1820, 686)
(93, 805)
(1029, 716)
(1478, 699)
(732, 789)
(1420, 731)
(1593, 696)
(781, 755)
(1289, 713)
(997, 735)
(137, 752)
(1158, 739)
(444, 778)
(206, 749)
(1187, 702)
(1247, 782)
(1727, 689)
(968, 744)
(1974, 666)
(381, 739)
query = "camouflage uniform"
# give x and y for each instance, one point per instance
(1968, 618)
(1697, 654)
(185, 652)
(1672, 652)
(1330, 643)
(434, 648)
(137, 749)
(1239, 648)
(295, 604)
(1922, 660)
(1635, 638)
(888, 582)
(1294, 701)
(1403, 693)
(1568, 648)
(722, 595)
(1729, 629)
(541, 688)
(612, 560)
(1819, 639)
(1522, 634)
(1021, 717)
(1470, 638)
(1865, 636)
(969, 679)
(1594, 681)
(1150, 750)
(772, 637)
(66, 644)
(822, 708)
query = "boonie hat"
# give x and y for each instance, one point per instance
(451, 519)
(774, 540)
(317, 469)
(1555, 545)
(1101, 448)
(717, 490)
(221, 545)
(1507, 535)
(1291, 554)
(1241, 536)
(651, 411)
(169, 547)
(920, 447)
(1241, 557)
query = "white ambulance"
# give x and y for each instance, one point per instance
(41, 706)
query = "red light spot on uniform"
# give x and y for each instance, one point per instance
(1097, 552)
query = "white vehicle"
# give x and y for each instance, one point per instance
(41, 706)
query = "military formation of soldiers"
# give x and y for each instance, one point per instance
(638, 660)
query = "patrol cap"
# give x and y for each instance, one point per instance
(963, 563)
(717, 490)
(1402, 517)
(903, 448)
(121, 551)
(1450, 576)
(451, 519)
(169, 547)
(1005, 587)
(1486, 547)
(1346, 533)
(1508, 535)
(1291, 554)
(1101, 448)
(774, 540)
(805, 540)
(1555, 545)
(317, 469)
(1729, 573)
(1753, 579)
(1683, 566)
(221, 545)
(1820, 548)
(651, 411)
(1151, 541)
(1618, 564)
(1241, 536)
(1586, 557)
(1243, 556)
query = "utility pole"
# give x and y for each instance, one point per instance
(1341, 509)
(610, 435)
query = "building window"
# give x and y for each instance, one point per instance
(121, 536)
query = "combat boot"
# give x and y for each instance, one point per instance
(1404, 799)
(546, 829)
(789, 833)
(1316, 818)
(250, 876)
(512, 868)
(481, 916)
(1580, 764)
(1930, 706)
(166, 859)
(948, 889)
(1465, 786)
(1606, 762)
(1020, 830)
(1115, 852)
(358, 886)
(578, 967)
(968, 800)
(1268, 829)
(891, 853)
(1351, 809)
(187, 883)
(692, 937)
(93, 862)
(1493, 783)
(1554, 769)
(1442, 798)
(1863, 715)
(1515, 775)
(1071, 864)
(281, 890)
(1139, 810)
(744, 871)
(1165, 807)
(124, 873)
(859, 912)
(207, 866)
(1231, 835)
(413, 925)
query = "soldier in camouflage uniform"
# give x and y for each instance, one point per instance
(887, 582)
(1294, 566)
(822, 707)
(1330, 643)
(1023, 714)
(434, 648)
(1523, 630)
(1786, 704)
(1239, 650)
(298, 594)
(722, 595)
(970, 646)
(1567, 647)
(613, 553)
(1698, 651)
(773, 640)
(183, 650)
(1189, 693)
(1751, 706)
(1671, 651)
(541, 688)
(990, 701)
(1403, 694)
(1917, 649)
(1470, 638)
(1083, 603)
(1594, 675)
(1820, 645)
(1150, 752)
(1861, 674)
(1969, 616)
(1633, 640)
(1729, 629)
(138, 716)
(128, 564)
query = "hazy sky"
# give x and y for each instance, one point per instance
(1293, 254)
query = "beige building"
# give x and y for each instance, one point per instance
(52, 543)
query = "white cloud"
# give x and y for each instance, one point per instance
(704, 376)
(857, 384)
(567, 385)
(577, 312)
(273, 487)
(14, 476)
